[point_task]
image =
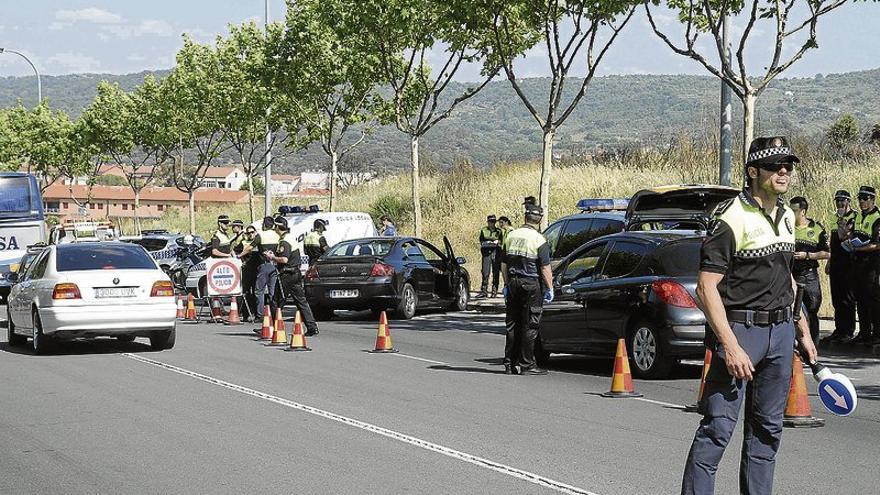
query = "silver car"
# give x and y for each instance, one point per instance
(88, 290)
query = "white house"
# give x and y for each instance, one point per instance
(285, 185)
(314, 180)
(224, 178)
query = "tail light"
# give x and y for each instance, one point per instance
(162, 288)
(66, 291)
(382, 270)
(312, 273)
(673, 294)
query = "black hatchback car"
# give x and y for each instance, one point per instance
(639, 286)
(402, 274)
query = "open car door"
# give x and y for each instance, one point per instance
(453, 271)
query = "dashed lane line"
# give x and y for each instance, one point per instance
(401, 437)
(407, 356)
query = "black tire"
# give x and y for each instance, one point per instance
(322, 313)
(377, 312)
(42, 344)
(646, 353)
(542, 356)
(160, 341)
(125, 338)
(14, 339)
(409, 301)
(462, 297)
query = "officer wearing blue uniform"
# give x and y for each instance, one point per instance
(866, 266)
(811, 245)
(746, 289)
(839, 269)
(263, 246)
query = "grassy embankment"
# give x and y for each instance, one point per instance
(457, 200)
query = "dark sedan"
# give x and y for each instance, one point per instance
(634, 285)
(402, 274)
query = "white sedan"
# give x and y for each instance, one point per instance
(89, 290)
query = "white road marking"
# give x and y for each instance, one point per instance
(419, 359)
(661, 403)
(401, 437)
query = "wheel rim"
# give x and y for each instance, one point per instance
(462, 295)
(409, 301)
(36, 336)
(644, 348)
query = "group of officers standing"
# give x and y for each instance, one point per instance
(271, 263)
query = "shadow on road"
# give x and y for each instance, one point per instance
(868, 392)
(81, 347)
(465, 369)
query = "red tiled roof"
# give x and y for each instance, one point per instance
(282, 177)
(202, 195)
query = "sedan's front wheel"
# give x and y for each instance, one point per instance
(461, 297)
(406, 308)
(42, 343)
(648, 358)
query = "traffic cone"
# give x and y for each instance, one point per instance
(180, 312)
(233, 318)
(297, 338)
(797, 409)
(279, 337)
(216, 310)
(707, 360)
(383, 336)
(621, 380)
(191, 309)
(266, 330)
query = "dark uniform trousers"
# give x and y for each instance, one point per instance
(248, 286)
(843, 297)
(491, 266)
(867, 289)
(770, 349)
(291, 285)
(524, 308)
(267, 277)
(812, 299)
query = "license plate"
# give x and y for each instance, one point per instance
(343, 293)
(107, 292)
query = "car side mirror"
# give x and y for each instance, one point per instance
(460, 260)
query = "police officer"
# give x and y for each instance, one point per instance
(249, 267)
(490, 242)
(314, 243)
(527, 287)
(263, 246)
(811, 245)
(388, 227)
(746, 289)
(220, 241)
(288, 259)
(839, 269)
(237, 239)
(865, 246)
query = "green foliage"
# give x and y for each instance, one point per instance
(111, 180)
(397, 208)
(844, 132)
(259, 187)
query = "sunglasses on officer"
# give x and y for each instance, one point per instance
(250, 232)
(777, 166)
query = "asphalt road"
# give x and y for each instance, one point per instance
(222, 413)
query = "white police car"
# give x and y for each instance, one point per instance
(162, 245)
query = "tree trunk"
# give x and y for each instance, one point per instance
(251, 197)
(192, 212)
(334, 173)
(546, 169)
(748, 123)
(416, 197)
(137, 205)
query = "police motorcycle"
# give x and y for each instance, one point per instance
(188, 256)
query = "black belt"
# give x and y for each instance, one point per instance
(806, 272)
(749, 317)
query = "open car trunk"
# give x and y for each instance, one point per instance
(677, 207)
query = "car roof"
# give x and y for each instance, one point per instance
(655, 236)
(610, 215)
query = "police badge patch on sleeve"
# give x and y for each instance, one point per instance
(788, 226)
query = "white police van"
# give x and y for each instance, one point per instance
(163, 246)
(341, 226)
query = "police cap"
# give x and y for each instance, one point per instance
(237, 223)
(320, 224)
(868, 191)
(223, 219)
(491, 218)
(843, 194)
(281, 223)
(533, 209)
(530, 200)
(769, 150)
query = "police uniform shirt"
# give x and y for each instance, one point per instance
(221, 242)
(836, 244)
(285, 250)
(810, 238)
(238, 242)
(266, 240)
(867, 229)
(487, 235)
(314, 244)
(754, 253)
(525, 252)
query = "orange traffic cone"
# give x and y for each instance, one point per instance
(383, 336)
(216, 310)
(621, 381)
(191, 309)
(266, 330)
(707, 360)
(180, 312)
(279, 337)
(297, 338)
(797, 409)
(233, 318)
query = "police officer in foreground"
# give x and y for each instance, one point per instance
(746, 289)
(314, 243)
(221, 241)
(865, 246)
(839, 269)
(490, 242)
(811, 245)
(527, 287)
(263, 247)
(288, 260)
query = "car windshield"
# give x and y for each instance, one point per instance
(151, 244)
(115, 256)
(362, 247)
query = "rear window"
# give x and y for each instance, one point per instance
(625, 256)
(680, 259)
(116, 256)
(151, 244)
(371, 247)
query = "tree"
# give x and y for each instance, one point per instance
(124, 126)
(844, 132)
(569, 30)
(403, 35)
(9, 146)
(705, 17)
(188, 109)
(254, 185)
(78, 156)
(37, 140)
(332, 80)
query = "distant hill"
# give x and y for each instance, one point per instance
(495, 127)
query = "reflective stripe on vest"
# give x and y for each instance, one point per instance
(808, 235)
(523, 242)
(865, 223)
(222, 237)
(753, 233)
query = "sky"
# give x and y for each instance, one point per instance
(125, 36)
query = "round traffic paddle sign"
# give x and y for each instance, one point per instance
(838, 394)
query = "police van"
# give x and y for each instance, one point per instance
(341, 226)
(164, 246)
(22, 223)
